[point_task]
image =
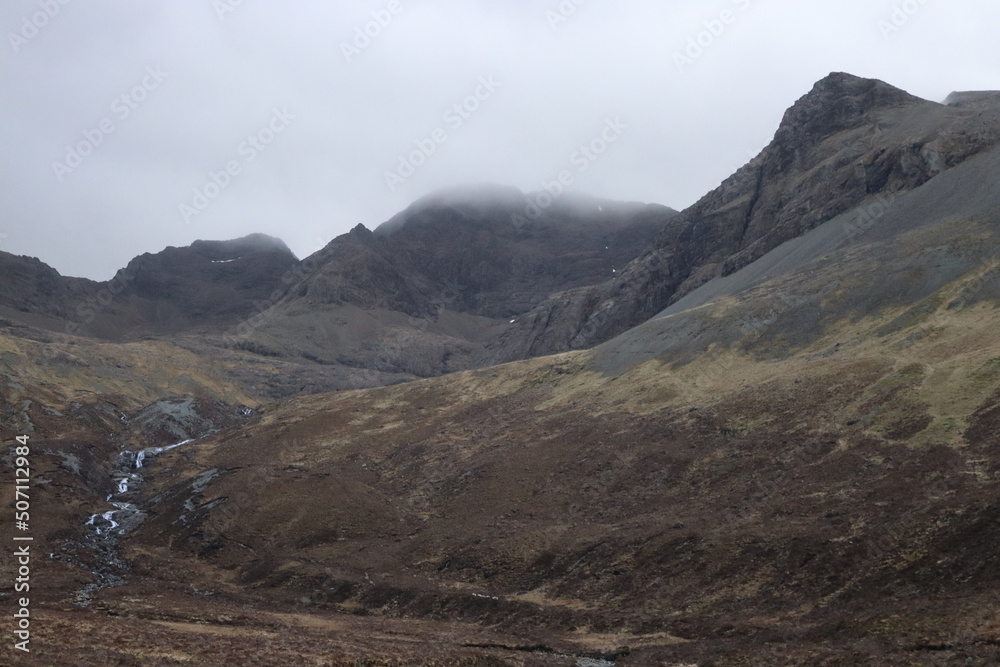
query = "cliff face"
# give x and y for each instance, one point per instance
(423, 293)
(207, 284)
(848, 142)
(476, 251)
(32, 288)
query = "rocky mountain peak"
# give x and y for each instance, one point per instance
(253, 244)
(469, 201)
(206, 281)
(849, 141)
(836, 103)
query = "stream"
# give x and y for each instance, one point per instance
(107, 527)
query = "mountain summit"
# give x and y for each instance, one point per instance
(848, 143)
(836, 103)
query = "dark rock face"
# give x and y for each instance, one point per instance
(476, 251)
(29, 286)
(847, 142)
(207, 283)
(422, 294)
(837, 103)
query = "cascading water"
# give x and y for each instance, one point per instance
(109, 526)
(126, 517)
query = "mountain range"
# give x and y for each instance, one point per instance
(761, 430)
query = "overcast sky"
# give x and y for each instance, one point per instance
(115, 114)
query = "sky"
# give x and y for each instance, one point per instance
(128, 126)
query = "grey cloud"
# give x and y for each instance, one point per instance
(354, 117)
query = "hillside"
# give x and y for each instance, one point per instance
(779, 446)
(850, 144)
(830, 497)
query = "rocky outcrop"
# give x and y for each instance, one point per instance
(477, 251)
(209, 283)
(847, 142)
(31, 287)
(422, 293)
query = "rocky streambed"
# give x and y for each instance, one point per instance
(118, 518)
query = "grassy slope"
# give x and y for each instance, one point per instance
(818, 483)
(828, 488)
